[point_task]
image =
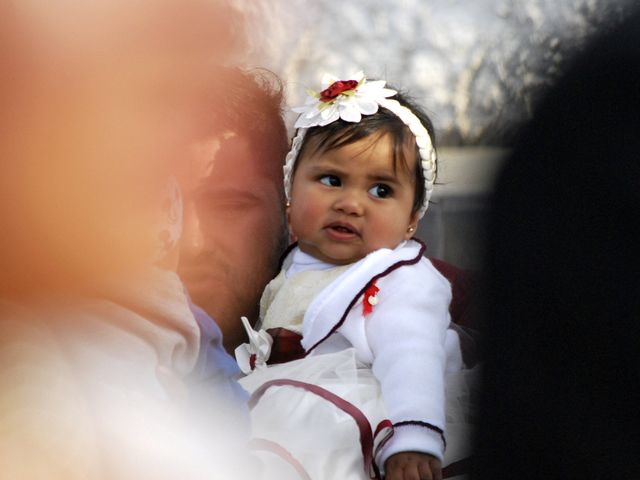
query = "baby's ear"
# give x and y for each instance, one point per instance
(292, 237)
(412, 227)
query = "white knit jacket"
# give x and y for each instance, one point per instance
(404, 338)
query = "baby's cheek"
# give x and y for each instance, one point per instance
(388, 232)
(304, 211)
(299, 219)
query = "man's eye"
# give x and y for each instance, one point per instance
(330, 180)
(381, 190)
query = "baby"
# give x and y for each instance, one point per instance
(355, 326)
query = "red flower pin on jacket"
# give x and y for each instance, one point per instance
(370, 299)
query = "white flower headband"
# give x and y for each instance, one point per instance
(349, 100)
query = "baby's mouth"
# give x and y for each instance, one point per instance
(342, 230)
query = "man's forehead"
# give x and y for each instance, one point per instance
(203, 157)
(230, 157)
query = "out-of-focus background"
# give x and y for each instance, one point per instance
(477, 66)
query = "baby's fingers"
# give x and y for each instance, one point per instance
(425, 471)
(412, 466)
(430, 470)
(411, 472)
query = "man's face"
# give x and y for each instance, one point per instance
(233, 230)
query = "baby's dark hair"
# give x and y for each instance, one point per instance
(340, 133)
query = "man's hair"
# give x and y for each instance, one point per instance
(249, 103)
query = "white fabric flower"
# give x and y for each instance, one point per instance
(345, 99)
(253, 355)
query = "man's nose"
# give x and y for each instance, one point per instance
(350, 202)
(192, 241)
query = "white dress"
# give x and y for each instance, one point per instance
(372, 382)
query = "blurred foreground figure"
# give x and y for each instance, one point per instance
(97, 340)
(563, 359)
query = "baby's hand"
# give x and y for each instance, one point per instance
(412, 466)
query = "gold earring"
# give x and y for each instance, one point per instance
(288, 204)
(410, 229)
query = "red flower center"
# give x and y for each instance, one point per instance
(336, 88)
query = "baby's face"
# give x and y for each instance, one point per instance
(348, 202)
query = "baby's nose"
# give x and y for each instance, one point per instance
(349, 202)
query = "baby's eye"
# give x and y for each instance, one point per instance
(330, 180)
(381, 190)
